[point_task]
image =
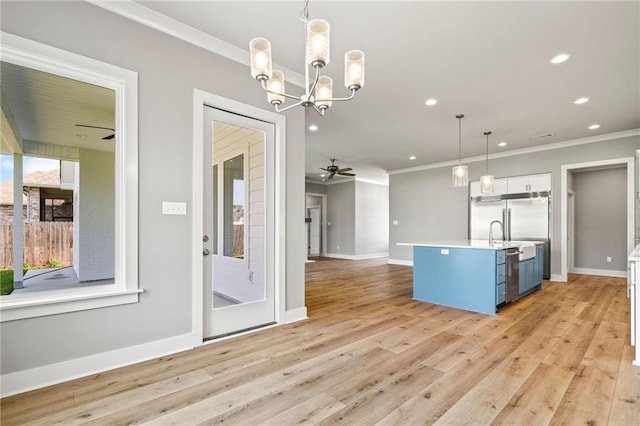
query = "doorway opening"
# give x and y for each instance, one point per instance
(566, 176)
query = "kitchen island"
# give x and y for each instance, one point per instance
(475, 275)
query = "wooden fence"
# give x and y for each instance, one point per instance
(43, 241)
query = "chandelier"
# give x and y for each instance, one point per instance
(319, 91)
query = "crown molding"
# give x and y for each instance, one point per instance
(152, 19)
(547, 147)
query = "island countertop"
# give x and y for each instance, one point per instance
(475, 244)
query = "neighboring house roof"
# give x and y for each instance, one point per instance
(48, 179)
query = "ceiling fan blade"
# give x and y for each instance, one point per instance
(346, 169)
(95, 127)
(331, 176)
(346, 174)
(106, 138)
(323, 169)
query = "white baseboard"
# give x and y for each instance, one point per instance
(356, 257)
(557, 278)
(34, 378)
(400, 262)
(603, 272)
(294, 315)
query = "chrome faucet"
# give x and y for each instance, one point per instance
(491, 231)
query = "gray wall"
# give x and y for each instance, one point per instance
(601, 219)
(341, 218)
(372, 218)
(168, 71)
(427, 207)
(315, 188)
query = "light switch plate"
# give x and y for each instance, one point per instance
(169, 207)
(444, 251)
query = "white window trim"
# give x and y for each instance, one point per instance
(28, 53)
(241, 150)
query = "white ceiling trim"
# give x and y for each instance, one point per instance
(179, 30)
(547, 147)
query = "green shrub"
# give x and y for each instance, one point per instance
(53, 263)
(25, 268)
(6, 281)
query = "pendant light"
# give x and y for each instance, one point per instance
(487, 181)
(460, 173)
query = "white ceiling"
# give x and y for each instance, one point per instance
(487, 60)
(45, 108)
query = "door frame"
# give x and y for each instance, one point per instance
(630, 190)
(323, 215)
(202, 100)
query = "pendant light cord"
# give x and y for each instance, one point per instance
(459, 117)
(487, 165)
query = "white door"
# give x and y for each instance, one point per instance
(314, 231)
(238, 224)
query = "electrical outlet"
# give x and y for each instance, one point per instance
(395, 222)
(608, 259)
(337, 247)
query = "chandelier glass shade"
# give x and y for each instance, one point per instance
(460, 173)
(318, 89)
(487, 181)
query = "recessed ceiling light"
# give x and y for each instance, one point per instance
(413, 157)
(502, 144)
(558, 59)
(594, 127)
(431, 102)
(322, 175)
(581, 101)
(313, 127)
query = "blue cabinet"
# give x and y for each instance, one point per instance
(465, 278)
(531, 271)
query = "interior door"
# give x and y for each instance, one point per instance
(314, 231)
(238, 224)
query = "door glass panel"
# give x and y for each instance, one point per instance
(237, 217)
(214, 211)
(234, 207)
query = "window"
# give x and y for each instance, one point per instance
(121, 164)
(234, 206)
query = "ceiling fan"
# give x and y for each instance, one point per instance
(106, 138)
(335, 170)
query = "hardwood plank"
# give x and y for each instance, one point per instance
(538, 398)
(369, 354)
(625, 409)
(590, 395)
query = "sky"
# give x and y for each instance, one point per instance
(30, 165)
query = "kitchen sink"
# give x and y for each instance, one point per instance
(528, 251)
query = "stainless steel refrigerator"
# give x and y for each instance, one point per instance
(525, 218)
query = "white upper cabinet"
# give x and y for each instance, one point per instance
(514, 185)
(532, 183)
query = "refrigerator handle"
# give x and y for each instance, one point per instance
(504, 224)
(508, 225)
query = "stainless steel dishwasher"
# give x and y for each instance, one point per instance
(513, 274)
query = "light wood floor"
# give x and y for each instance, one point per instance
(368, 354)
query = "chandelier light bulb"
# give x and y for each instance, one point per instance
(354, 70)
(318, 43)
(275, 88)
(260, 50)
(324, 92)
